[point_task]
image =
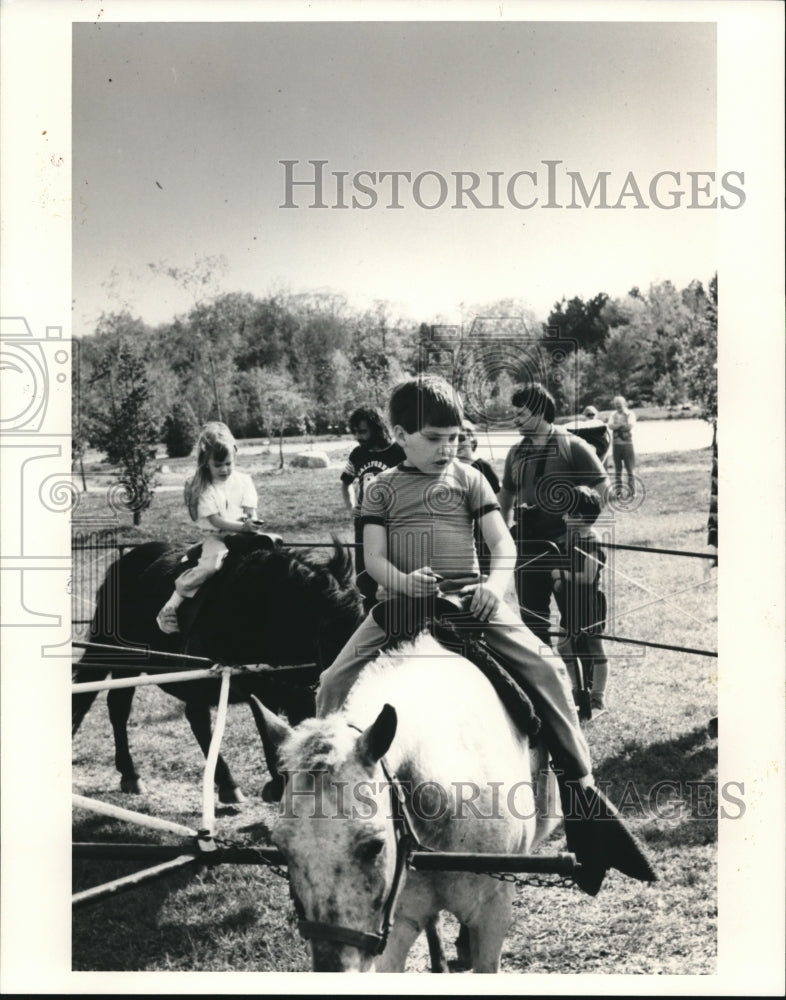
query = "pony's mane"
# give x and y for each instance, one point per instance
(331, 578)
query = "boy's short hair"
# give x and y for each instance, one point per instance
(585, 504)
(427, 399)
(537, 399)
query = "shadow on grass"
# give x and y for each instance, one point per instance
(670, 786)
(194, 918)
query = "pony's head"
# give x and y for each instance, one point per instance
(336, 832)
(281, 606)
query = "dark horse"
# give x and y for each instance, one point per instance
(267, 604)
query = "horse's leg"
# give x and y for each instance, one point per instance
(487, 934)
(416, 911)
(548, 809)
(198, 715)
(402, 936)
(436, 951)
(118, 702)
(463, 959)
(82, 701)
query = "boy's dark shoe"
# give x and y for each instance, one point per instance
(600, 839)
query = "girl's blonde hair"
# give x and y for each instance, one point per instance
(216, 442)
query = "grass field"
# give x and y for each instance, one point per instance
(652, 751)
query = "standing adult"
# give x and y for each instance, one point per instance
(621, 424)
(537, 469)
(374, 453)
(467, 446)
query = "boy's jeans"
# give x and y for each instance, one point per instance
(544, 678)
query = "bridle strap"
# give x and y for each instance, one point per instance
(315, 930)
(406, 843)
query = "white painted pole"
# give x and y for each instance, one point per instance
(208, 780)
(131, 881)
(124, 682)
(117, 812)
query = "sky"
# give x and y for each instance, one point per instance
(178, 131)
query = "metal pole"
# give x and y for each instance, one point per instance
(543, 864)
(131, 651)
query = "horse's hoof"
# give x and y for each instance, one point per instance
(231, 796)
(132, 786)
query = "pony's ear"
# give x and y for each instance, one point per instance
(273, 732)
(375, 741)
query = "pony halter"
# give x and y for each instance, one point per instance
(406, 843)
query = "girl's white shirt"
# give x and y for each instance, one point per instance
(227, 499)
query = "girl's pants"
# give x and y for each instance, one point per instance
(545, 680)
(213, 552)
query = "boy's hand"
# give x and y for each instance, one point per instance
(421, 582)
(485, 602)
(249, 525)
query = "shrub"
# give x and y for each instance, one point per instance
(181, 430)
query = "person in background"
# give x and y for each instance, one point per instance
(581, 602)
(593, 430)
(374, 453)
(537, 470)
(467, 446)
(621, 424)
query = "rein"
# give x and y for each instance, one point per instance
(406, 842)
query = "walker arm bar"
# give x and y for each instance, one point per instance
(545, 864)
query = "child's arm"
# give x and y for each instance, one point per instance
(221, 524)
(506, 500)
(489, 595)
(348, 493)
(587, 568)
(418, 583)
(251, 514)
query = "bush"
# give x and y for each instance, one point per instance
(181, 430)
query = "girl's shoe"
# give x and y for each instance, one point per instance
(167, 620)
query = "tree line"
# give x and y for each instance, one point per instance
(295, 364)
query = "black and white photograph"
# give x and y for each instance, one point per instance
(393, 487)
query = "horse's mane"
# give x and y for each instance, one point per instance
(331, 579)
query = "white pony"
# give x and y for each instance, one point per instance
(466, 774)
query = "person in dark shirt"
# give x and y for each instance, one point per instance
(533, 493)
(467, 446)
(374, 453)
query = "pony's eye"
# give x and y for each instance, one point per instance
(369, 850)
